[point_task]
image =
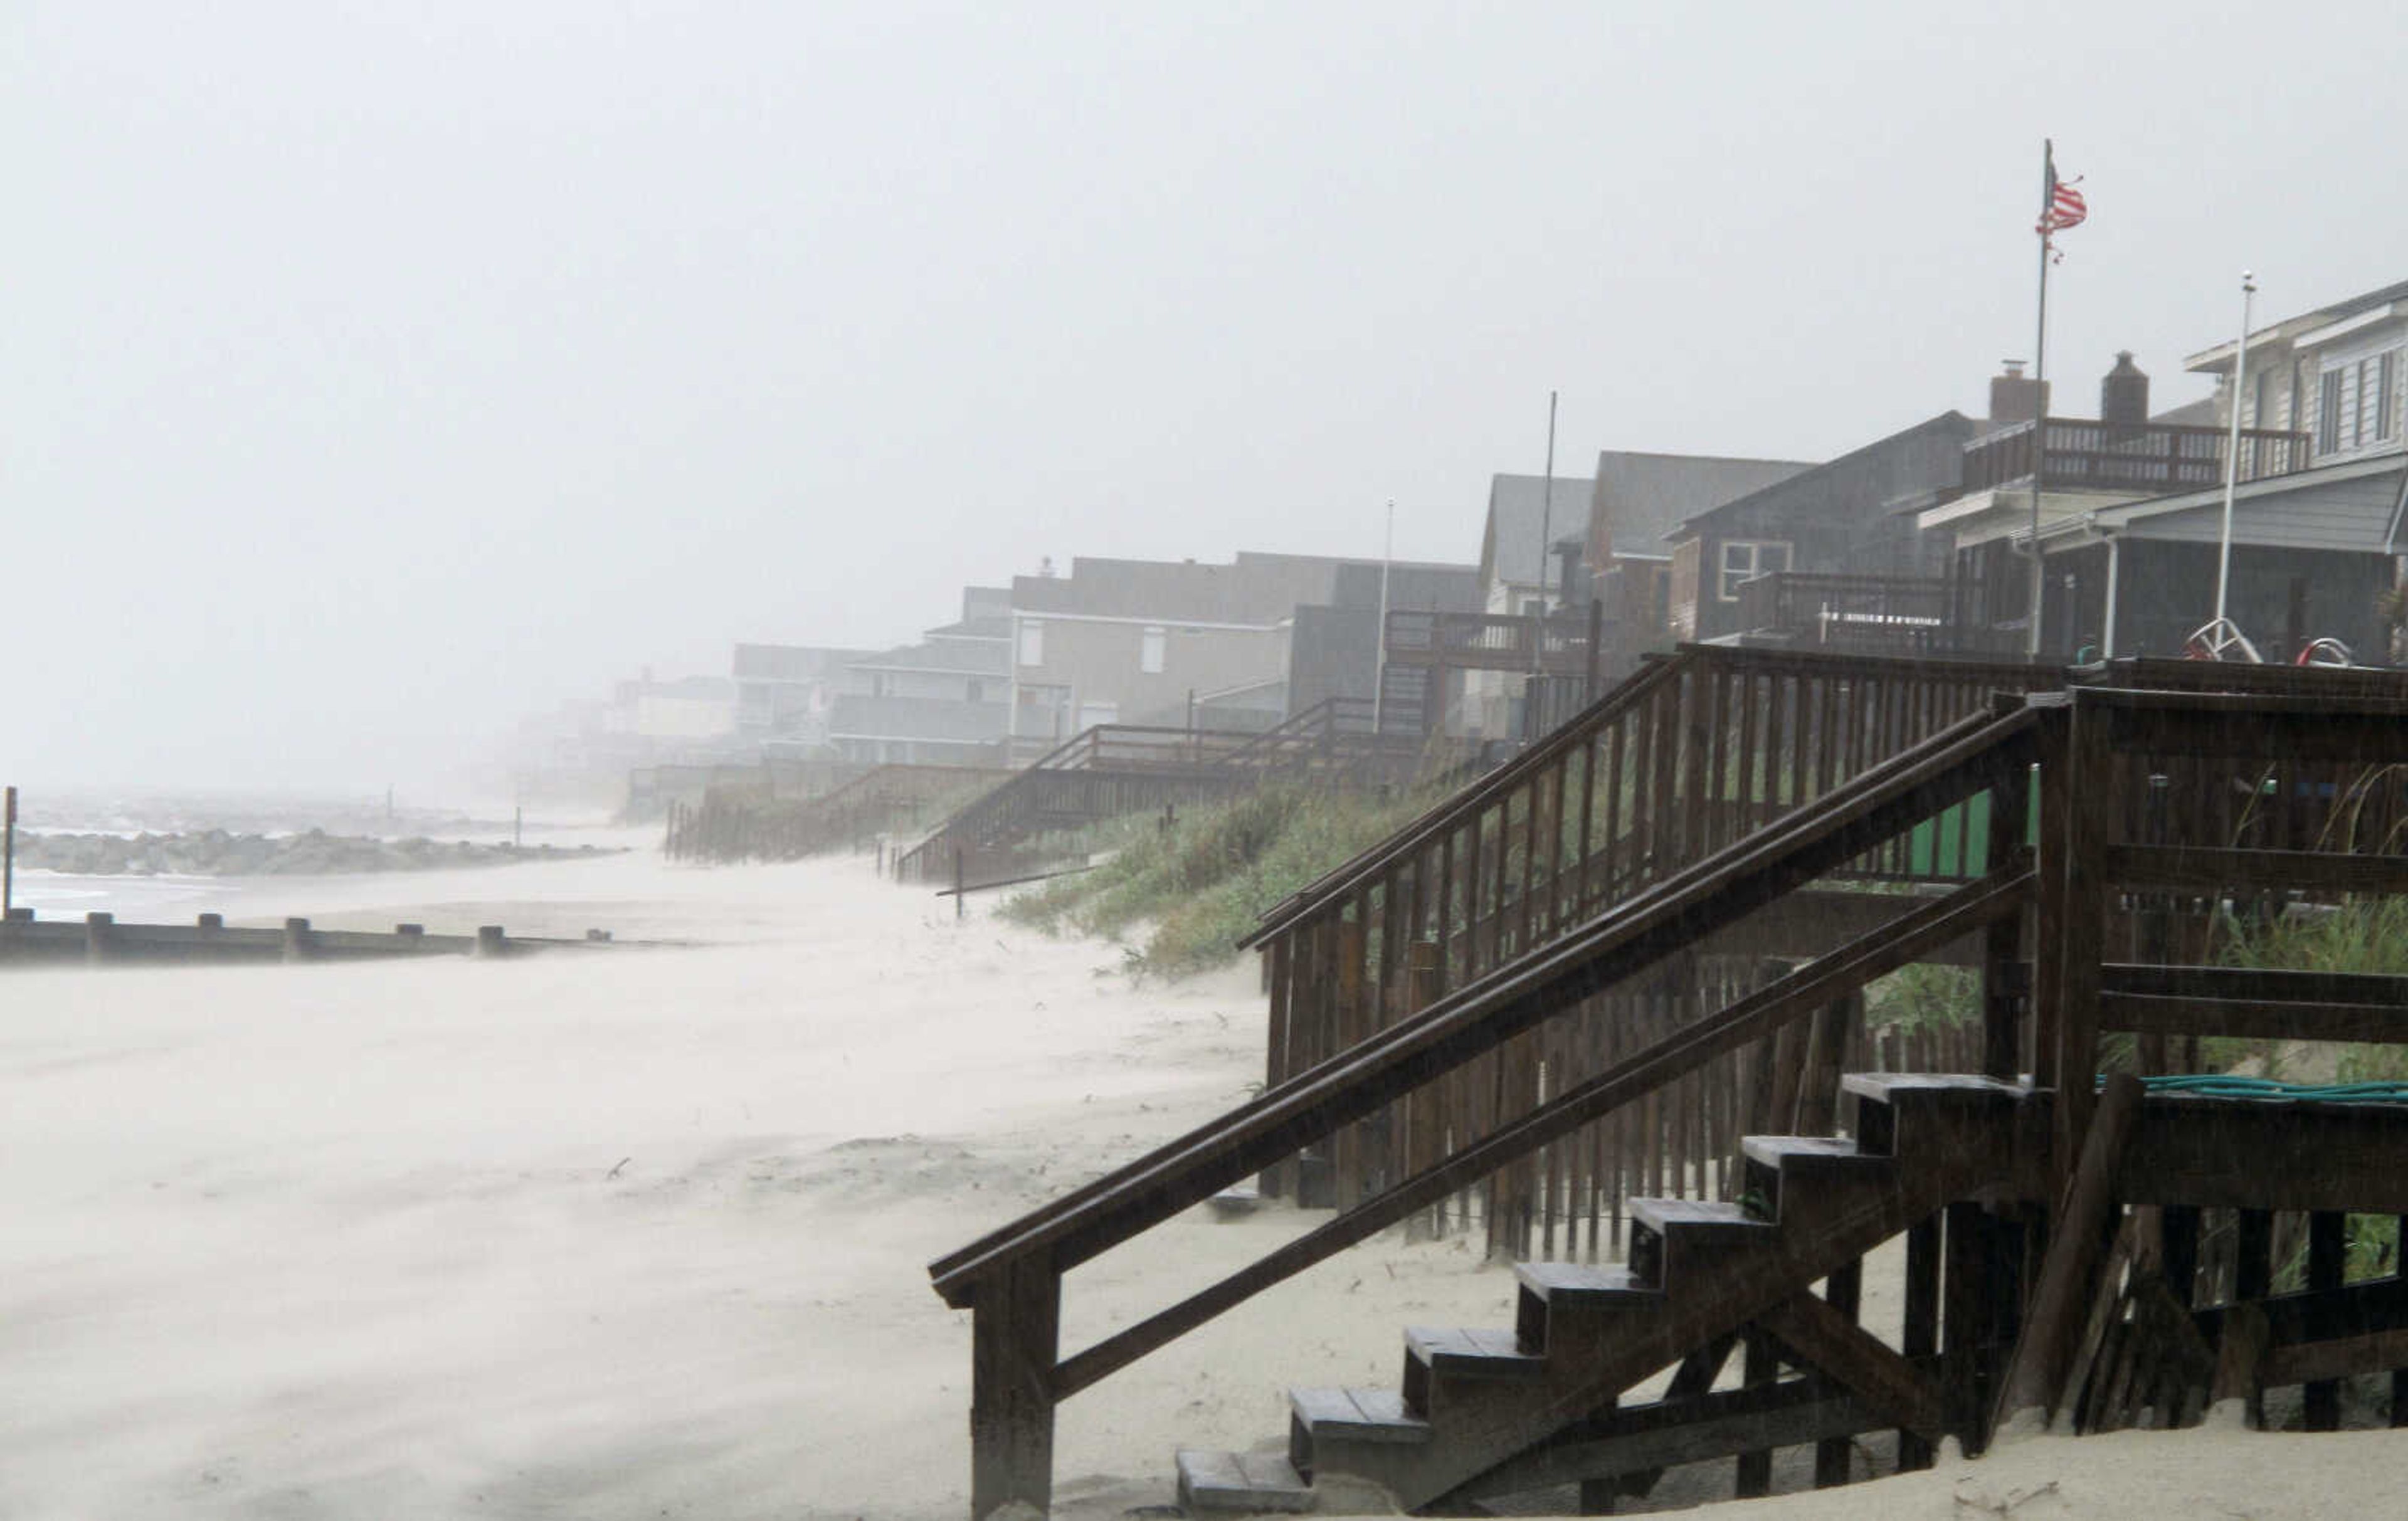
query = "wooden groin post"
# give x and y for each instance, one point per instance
(299, 944)
(492, 942)
(8, 854)
(97, 930)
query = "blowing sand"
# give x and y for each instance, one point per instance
(644, 1233)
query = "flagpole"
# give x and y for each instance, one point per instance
(2233, 451)
(2039, 386)
(1546, 527)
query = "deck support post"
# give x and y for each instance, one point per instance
(2006, 983)
(1015, 1317)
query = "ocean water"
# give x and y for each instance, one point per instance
(136, 899)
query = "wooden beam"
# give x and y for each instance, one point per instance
(1637, 1441)
(2253, 1018)
(2205, 868)
(2267, 984)
(2297, 1155)
(2314, 1362)
(2036, 1376)
(1902, 1394)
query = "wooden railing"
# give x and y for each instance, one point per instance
(2104, 782)
(2152, 459)
(1011, 1277)
(1903, 615)
(1490, 641)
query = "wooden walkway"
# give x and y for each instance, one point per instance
(1502, 1016)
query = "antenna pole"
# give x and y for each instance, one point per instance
(1380, 660)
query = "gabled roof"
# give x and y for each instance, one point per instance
(1641, 497)
(790, 662)
(974, 628)
(1521, 509)
(1858, 469)
(963, 656)
(2215, 361)
(1261, 590)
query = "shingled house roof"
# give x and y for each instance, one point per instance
(1520, 510)
(1640, 497)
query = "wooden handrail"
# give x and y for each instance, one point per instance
(1609, 708)
(1451, 812)
(1971, 756)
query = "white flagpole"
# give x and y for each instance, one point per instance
(2039, 385)
(2233, 452)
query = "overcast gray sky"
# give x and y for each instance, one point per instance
(375, 373)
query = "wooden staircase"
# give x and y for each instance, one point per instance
(1480, 1413)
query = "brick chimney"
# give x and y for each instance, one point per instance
(2014, 397)
(2124, 395)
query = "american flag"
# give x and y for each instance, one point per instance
(2063, 207)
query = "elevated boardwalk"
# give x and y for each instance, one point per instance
(1523, 1014)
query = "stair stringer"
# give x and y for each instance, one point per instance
(1708, 1297)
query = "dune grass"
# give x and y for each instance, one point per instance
(1188, 894)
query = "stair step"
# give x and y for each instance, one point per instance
(1571, 1283)
(1356, 1415)
(1472, 1351)
(1700, 1219)
(1883, 1100)
(1808, 1153)
(1251, 1482)
(1930, 1087)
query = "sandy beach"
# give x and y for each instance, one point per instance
(643, 1233)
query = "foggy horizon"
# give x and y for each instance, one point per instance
(379, 380)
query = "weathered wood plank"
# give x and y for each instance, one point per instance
(1822, 1336)
(2036, 1377)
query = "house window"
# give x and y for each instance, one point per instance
(2386, 387)
(2329, 411)
(1746, 559)
(1149, 651)
(1032, 643)
(2262, 414)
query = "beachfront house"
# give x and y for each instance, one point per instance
(1838, 518)
(943, 701)
(1157, 643)
(1335, 650)
(1637, 501)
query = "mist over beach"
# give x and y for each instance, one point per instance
(913, 760)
